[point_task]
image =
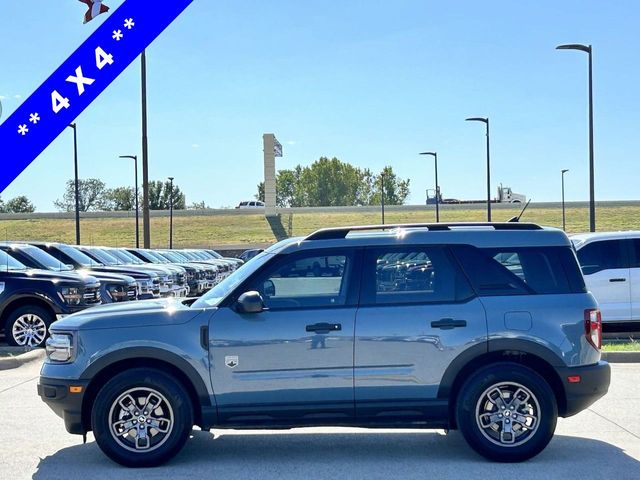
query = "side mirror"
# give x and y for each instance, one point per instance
(269, 289)
(250, 302)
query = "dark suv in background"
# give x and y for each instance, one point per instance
(31, 300)
(114, 288)
(148, 282)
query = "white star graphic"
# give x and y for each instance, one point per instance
(34, 118)
(117, 35)
(128, 23)
(22, 129)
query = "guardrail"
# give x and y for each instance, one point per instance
(299, 210)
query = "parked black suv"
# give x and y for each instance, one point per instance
(114, 288)
(148, 282)
(31, 300)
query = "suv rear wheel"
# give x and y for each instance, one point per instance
(507, 412)
(28, 326)
(142, 417)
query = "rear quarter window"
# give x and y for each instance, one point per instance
(521, 271)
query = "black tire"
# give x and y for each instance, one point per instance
(19, 313)
(169, 444)
(473, 407)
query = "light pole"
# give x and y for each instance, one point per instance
(77, 186)
(435, 156)
(592, 201)
(564, 225)
(145, 156)
(135, 159)
(382, 195)
(171, 214)
(486, 122)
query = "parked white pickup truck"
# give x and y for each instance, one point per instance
(610, 263)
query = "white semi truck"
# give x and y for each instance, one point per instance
(505, 195)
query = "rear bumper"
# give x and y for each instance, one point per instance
(593, 384)
(68, 406)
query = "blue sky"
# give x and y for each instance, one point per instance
(372, 82)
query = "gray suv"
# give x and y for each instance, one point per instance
(485, 328)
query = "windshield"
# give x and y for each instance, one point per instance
(118, 255)
(154, 257)
(78, 257)
(10, 264)
(175, 257)
(104, 257)
(43, 258)
(132, 258)
(218, 293)
(215, 254)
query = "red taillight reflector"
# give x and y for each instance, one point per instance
(574, 379)
(593, 327)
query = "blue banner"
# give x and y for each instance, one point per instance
(80, 79)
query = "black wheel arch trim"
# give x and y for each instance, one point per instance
(152, 353)
(474, 352)
(30, 295)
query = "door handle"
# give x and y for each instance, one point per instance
(448, 323)
(612, 280)
(324, 327)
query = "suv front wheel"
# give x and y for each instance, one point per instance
(507, 412)
(142, 417)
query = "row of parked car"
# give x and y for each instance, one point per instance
(42, 282)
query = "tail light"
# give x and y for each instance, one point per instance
(593, 327)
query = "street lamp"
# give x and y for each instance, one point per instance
(486, 122)
(435, 156)
(592, 202)
(171, 214)
(564, 226)
(135, 159)
(77, 186)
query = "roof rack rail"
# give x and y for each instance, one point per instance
(337, 233)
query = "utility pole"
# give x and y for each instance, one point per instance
(76, 180)
(145, 157)
(171, 214)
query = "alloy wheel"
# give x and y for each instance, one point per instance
(29, 330)
(508, 414)
(141, 419)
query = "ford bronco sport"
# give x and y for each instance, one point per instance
(485, 328)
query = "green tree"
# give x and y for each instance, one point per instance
(2, 207)
(92, 196)
(330, 182)
(19, 204)
(120, 199)
(160, 195)
(198, 206)
(396, 190)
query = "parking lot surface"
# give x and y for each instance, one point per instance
(602, 442)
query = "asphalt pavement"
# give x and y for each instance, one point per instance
(602, 442)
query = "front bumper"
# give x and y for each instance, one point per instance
(68, 406)
(593, 384)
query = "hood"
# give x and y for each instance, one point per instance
(145, 313)
(132, 272)
(108, 276)
(59, 277)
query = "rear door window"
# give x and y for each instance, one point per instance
(412, 275)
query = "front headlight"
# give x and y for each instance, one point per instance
(71, 295)
(117, 292)
(59, 348)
